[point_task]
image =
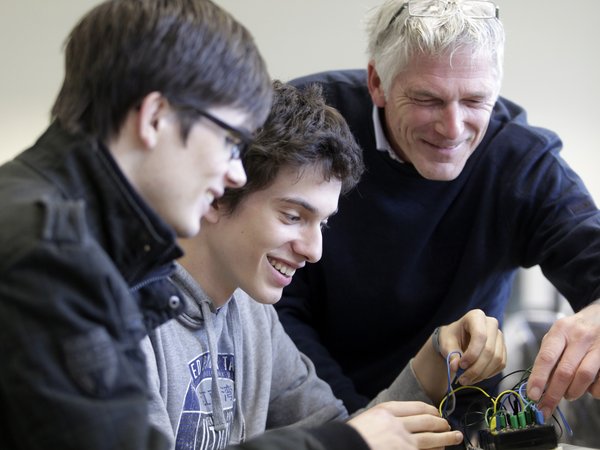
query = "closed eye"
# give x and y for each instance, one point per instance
(292, 218)
(427, 101)
(474, 101)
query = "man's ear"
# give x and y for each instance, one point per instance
(375, 86)
(151, 111)
(213, 215)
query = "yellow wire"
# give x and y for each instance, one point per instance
(508, 391)
(454, 391)
(494, 400)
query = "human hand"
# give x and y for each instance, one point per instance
(481, 343)
(483, 350)
(404, 425)
(568, 362)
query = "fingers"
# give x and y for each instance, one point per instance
(404, 425)
(594, 388)
(469, 330)
(429, 429)
(585, 377)
(404, 409)
(568, 361)
(482, 344)
(550, 351)
(438, 440)
(489, 362)
(425, 422)
(573, 372)
(381, 430)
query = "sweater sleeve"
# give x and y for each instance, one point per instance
(295, 382)
(330, 436)
(405, 387)
(558, 220)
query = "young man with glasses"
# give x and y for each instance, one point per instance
(157, 102)
(459, 193)
(225, 369)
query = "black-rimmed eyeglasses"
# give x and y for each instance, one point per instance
(239, 140)
(477, 9)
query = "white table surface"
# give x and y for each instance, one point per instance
(574, 447)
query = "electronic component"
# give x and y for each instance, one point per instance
(509, 421)
(540, 437)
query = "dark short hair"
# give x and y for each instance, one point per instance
(301, 131)
(191, 51)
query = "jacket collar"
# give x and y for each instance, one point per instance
(80, 167)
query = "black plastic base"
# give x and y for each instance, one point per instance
(542, 437)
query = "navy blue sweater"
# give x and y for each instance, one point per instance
(405, 254)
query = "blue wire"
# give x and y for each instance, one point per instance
(524, 396)
(450, 393)
(535, 408)
(564, 420)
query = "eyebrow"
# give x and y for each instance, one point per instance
(428, 93)
(303, 204)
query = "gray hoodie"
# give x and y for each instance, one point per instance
(264, 380)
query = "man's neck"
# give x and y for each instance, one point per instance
(200, 263)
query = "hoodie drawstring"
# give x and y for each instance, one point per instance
(234, 324)
(218, 413)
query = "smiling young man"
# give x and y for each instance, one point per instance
(226, 370)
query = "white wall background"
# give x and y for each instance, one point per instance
(552, 64)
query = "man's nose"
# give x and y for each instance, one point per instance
(450, 122)
(236, 175)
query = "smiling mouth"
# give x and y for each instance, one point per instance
(282, 268)
(444, 146)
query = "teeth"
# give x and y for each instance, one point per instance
(282, 268)
(210, 197)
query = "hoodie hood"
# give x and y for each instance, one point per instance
(192, 316)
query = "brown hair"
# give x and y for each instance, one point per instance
(301, 131)
(191, 51)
